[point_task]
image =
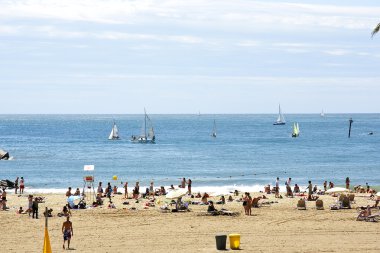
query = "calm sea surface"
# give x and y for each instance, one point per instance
(50, 150)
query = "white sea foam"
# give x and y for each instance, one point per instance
(215, 190)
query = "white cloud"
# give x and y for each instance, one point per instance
(337, 52)
(239, 13)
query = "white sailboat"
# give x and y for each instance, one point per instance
(147, 132)
(114, 135)
(280, 119)
(296, 130)
(213, 134)
(322, 113)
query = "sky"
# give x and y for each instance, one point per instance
(215, 56)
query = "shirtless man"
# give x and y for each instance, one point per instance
(67, 231)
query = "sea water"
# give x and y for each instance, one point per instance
(249, 151)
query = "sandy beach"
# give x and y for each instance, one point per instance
(274, 227)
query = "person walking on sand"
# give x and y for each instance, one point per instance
(277, 191)
(126, 190)
(22, 185)
(310, 188)
(189, 186)
(347, 183)
(35, 208)
(67, 231)
(325, 185)
(16, 185)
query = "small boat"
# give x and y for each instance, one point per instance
(322, 114)
(145, 136)
(296, 130)
(4, 155)
(213, 134)
(370, 133)
(114, 135)
(280, 119)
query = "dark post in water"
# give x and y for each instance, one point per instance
(349, 130)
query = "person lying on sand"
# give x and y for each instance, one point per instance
(364, 213)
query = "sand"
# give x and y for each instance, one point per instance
(273, 228)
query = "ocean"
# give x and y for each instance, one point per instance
(249, 152)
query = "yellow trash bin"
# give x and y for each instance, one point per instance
(234, 241)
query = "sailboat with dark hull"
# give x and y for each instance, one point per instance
(147, 132)
(280, 119)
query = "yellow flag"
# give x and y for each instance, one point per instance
(47, 247)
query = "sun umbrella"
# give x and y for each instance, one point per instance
(73, 200)
(337, 190)
(177, 193)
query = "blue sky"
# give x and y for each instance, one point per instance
(216, 56)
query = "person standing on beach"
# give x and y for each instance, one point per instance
(16, 185)
(100, 189)
(310, 188)
(136, 191)
(347, 183)
(189, 186)
(22, 185)
(277, 191)
(67, 231)
(35, 208)
(109, 190)
(183, 183)
(126, 190)
(325, 185)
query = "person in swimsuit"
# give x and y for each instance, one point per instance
(67, 231)
(22, 185)
(126, 190)
(189, 186)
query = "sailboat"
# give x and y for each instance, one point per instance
(147, 132)
(213, 134)
(280, 119)
(296, 130)
(322, 114)
(114, 135)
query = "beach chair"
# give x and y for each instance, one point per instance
(345, 203)
(319, 204)
(352, 198)
(301, 205)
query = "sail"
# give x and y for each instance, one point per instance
(280, 119)
(114, 133)
(322, 114)
(151, 133)
(294, 129)
(213, 134)
(298, 129)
